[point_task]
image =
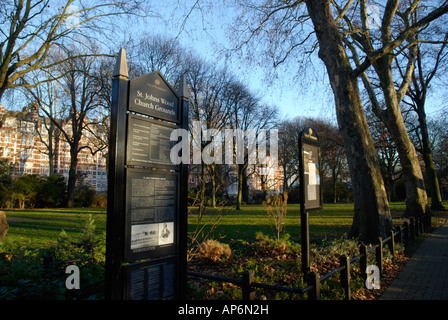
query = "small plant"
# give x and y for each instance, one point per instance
(277, 211)
(203, 229)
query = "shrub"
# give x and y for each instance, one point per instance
(52, 192)
(5, 195)
(84, 196)
(100, 200)
(214, 250)
(5, 184)
(25, 190)
(33, 191)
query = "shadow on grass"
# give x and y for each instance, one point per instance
(42, 226)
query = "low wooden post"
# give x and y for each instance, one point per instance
(392, 244)
(363, 261)
(312, 279)
(425, 223)
(406, 235)
(399, 237)
(421, 224)
(379, 255)
(248, 278)
(412, 229)
(416, 227)
(345, 276)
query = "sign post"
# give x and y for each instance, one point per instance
(310, 187)
(147, 206)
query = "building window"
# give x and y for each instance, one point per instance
(8, 137)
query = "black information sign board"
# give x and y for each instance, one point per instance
(147, 194)
(151, 208)
(152, 95)
(310, 187)
(151, 280)
(311, 168)
(148, 142)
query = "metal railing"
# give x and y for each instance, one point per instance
(404, 234)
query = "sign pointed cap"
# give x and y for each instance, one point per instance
(121, 66)
(183, 90)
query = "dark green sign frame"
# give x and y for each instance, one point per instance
(310, 187)
(144, 111)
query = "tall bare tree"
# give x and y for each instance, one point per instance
(209, 110)
(78, 99)
(285, 27)
(45, 96)
(334, 160)
(288, 152)
(387, 152)
(393, 21)
(430, 60)
(247, 113)
(158, 53)
(438, 127)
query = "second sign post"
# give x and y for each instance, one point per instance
(310, 189)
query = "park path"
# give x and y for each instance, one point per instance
(425, 276)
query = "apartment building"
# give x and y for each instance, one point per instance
(24, 141)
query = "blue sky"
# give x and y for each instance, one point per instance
(205, 31)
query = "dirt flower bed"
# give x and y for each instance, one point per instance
(279, 264)
(391, 270)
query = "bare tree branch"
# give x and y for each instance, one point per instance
(389, 46)
(29, 30)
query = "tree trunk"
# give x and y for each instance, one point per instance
(372, 215)
(202, 190)
(71, 185)
(264, 187)
(240, 187)
(389, 180)
(335, 197)
(52, 141)
(334, 180)
(416, 199)
(213, 178)
(50, 155)
(245, 186)
(431, 174)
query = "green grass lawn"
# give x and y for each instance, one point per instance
(40, 226)
(333, 220)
